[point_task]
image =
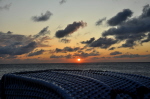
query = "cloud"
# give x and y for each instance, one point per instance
(62, 1)
(67, 49)
(5, 7)
(43, 32)
(133, 30)
(112, 48)
(131, 56)
(89, 49)
(84, 55)
(88, 41)
(120, 17)
(9, 32)
(6, 56)
(129, 43)
(146, 40)
(36, 53)
(41, 38)
(69, 56)
(132, 27)
(7, 39)
(115, 53)
(93, 58)
(65, 40)
(15, 44)
(103, 42)
(17, 48)
(146, 11)
(71, 28)
(57, 50)
(54, 56)
(45, 38)
(99, 22)
(43, 17)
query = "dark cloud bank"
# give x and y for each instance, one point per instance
(16, 49)
(15, 44)
(43, 17)
(102, 42)
(131, 30)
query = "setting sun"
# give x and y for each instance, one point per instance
(79, 59)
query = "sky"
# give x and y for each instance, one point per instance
(74, 31)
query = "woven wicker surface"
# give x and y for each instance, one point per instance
(75, 84)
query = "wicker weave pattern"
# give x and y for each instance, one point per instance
(74, 84)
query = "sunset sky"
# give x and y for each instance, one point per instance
(56, 31)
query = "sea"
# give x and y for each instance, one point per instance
(139, 68)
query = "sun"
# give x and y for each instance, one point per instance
(78, 59)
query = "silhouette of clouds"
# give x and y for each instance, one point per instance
(5, 7)
(132, 31)
(6, 39)
(112, 48)
(43, 32)
(115, 53)
(62, 1)
(41, 38)
(71, 28)
(17, 49)
(36, 53)
(84, 55)
(99, 22)
(64, 40)
(43, 17)
(146, 11)
(146, 40)
(57, 50)
(131, 56)
(103, 42)
(6, 56)
(129, 43)
(9, 32)
(89, 49)
(88, 41)
(56, 56)
(67, 49)
(15, 44)
(120, 17)
(68, 56)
